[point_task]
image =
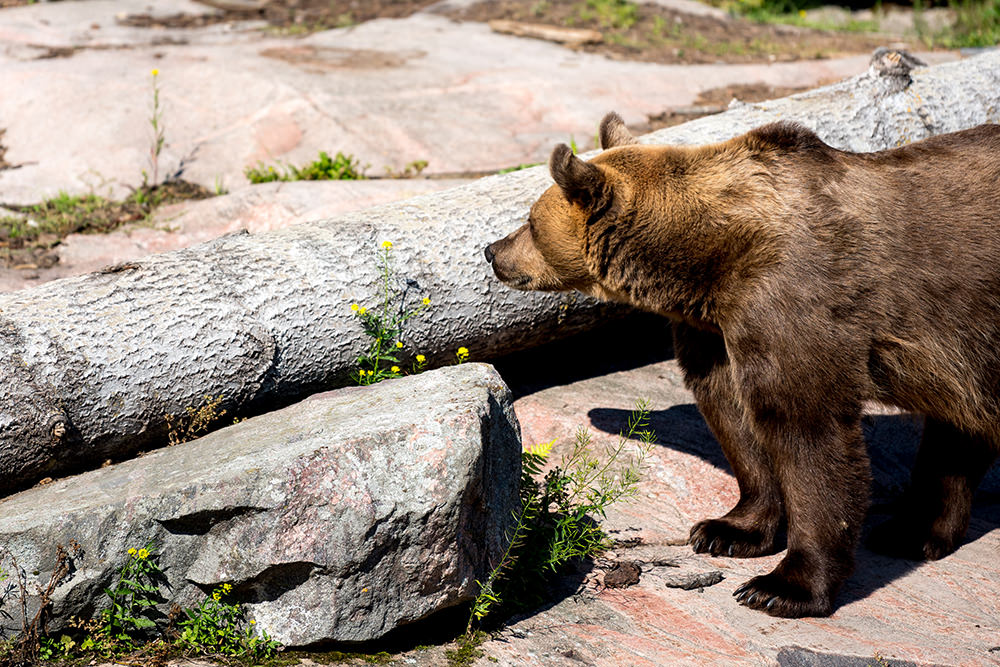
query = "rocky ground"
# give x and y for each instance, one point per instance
(396, 83)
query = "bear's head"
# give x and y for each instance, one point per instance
(553, 252)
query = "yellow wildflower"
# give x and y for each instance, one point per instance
(362, 310)
(463, 351)
(399, 344)
(355, 307)
(387, 245)
(802, 13)
(427, 301)
(142, 555)
(421, 358)
(253, 622)
(132, 551)
(543, 448)
(216, 596)
(156, 72)
(226, 588)
(394, 369)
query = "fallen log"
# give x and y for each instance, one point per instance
(95, 364)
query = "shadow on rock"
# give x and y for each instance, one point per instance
(892, 447)
(636, 340)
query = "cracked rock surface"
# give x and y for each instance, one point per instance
(335, 519)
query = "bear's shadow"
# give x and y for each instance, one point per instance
(892, 446)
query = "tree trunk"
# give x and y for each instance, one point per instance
(94, 364)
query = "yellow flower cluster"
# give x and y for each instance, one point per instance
(133, 551)
(387, 245)
(220, 591)
(142, 555)
(463, 352)
(421, 358)
(394, 369)
(427, 301)
(399, 344)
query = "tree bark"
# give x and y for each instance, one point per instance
(94, 364)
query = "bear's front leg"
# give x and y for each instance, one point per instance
(808, 421)
(751, 527)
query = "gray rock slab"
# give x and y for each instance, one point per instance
(253, 208)
(945, 612)
(338, 518)
(389, 91)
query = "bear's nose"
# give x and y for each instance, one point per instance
(488, 251)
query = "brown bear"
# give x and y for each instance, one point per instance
(802, 281)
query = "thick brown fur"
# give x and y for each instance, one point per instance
(803, 281)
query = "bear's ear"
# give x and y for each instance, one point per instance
(581, 182)
(614, 133)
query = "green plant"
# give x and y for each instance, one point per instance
(218, 188)
(195, 422)
(339, 168)
(52, 649)
(156, 121)
(134, 597)
(219, 627)
(384, 325)
(557, 522)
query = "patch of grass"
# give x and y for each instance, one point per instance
(977, 24)
(618, 14)
(325, 168)
(519, 167)
(466, 650)
(44, 225)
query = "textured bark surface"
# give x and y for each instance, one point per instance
(335, 519)
(94, 364)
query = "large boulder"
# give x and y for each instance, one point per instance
(336, 519)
